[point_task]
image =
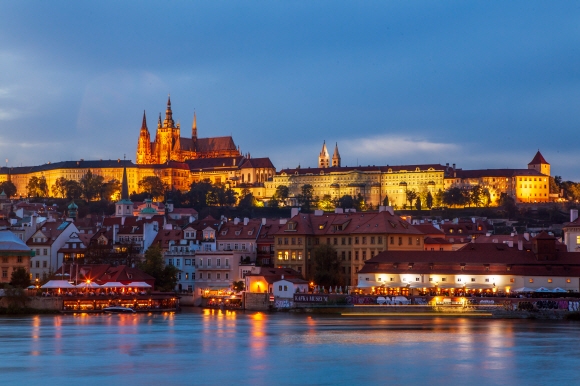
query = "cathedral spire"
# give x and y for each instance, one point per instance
(144, 124)
(323, 158)
(168, 122)
(159, 121)
(194, 127)
(336, 156)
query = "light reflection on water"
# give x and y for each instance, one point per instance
(226, 347)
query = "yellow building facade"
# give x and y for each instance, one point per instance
(374, 183)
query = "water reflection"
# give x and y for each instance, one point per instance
(225, 347)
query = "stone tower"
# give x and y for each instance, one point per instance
(540, 164)
(167, 137)
(124, 207)
(323, 158)
(336, 157)
(144, 144)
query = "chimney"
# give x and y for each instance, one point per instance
(294, 212)
(318, 212)
(473, 220)
(527, 236)
(573, 214)
(115, 230)
(283, 221)
(510, 243)
(263, 220)
(339, 210)
(34, 216)
(282, 277)
(246, 220)
(236, 221)
(453, 166)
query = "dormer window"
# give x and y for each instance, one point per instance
(463, 266)
(291, 226)
(486, 267)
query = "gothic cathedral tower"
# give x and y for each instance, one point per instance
(144, 144)
(167, 137)
(323, 157)
(336, 157)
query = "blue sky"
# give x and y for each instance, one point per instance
(480, 84)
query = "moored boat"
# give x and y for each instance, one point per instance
(119, 310)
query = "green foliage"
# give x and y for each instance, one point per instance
(165, 275)
(37, 187)
(306, 198)
(429, 200)
(239, 286)
(386, 201)
(346, 202)
(326, 203)
(110, 190)
(326, 266)
(154, 186)
(360, 203)
(454, 197)
(9, 188)
(418, 203)
(411, 195)
(20, 278)
(282, 193)
(73, 190)
(91, 185)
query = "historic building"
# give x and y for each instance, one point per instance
(480, 267)
(524, 185)
(356, 237)
(374, 183)
(169, 145)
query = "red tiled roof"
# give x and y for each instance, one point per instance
(538, 159)
(369, 168)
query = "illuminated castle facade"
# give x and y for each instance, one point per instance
(169, 145)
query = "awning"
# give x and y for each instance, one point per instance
(88, 285)
(542, 289)
(53, 284)
(449, 285)
(479, 286)
(559, 290)
(113, 284)
(524, 289)
(418, 284)
(139, 284)
(216, 288)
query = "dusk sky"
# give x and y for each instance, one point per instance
(480, 84)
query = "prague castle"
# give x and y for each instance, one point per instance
(169, 145)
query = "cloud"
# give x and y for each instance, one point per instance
(378, 146)
(8, 114)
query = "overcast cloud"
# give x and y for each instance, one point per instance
(480, 84)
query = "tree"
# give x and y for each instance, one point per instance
(411, 196)
(282, 193)
(326, 266)
(326, 203)
(153, 185)
(198, 193)
(91, 185)
(360, 203)
(306, 197)
(476, 195)
(508, 204)
(9, 188)
(165, 275)
(33, 187)
(438, 198)
(453, 197)
(110, 190)
(429, 200)
(418, 203)
(20, 278)
(555, 184)
(346, 202)
(73, 189)
(59, 187)
(238, 286)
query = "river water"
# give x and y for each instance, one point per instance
(206, 347)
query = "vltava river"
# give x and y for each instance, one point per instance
(228, 348)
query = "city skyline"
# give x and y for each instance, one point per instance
(476, 84)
